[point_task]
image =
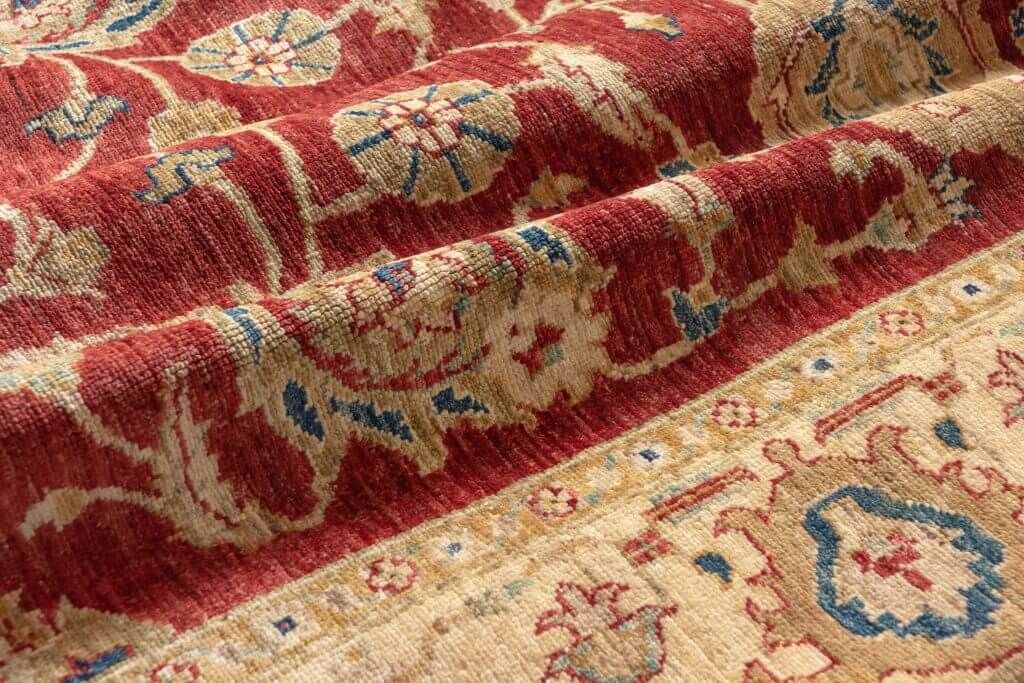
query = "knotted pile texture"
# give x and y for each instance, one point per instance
(511, 340)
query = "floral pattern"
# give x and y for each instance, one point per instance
(880, 554)
(1008, 381)
(280, 49)
(832, 74)
(281, 288)
(56, 26)
(735, 412)
(41, 20)
(391, 575)
(441, 142)
(902, 322)
(606, 643)
(50, 261)
(553, 501)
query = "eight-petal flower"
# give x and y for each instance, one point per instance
(441, 142)
(276, 48)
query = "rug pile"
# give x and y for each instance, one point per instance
(511, 340)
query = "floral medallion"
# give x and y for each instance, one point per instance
(442, 142)
(391, 575)
(43, 19)
(28, 26)
(908, 568)
(884, 566)
(848, 60)
(284, 48)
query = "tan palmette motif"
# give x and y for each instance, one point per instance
(659, 531)
(547, 193)
(51, 261)
(846, 60)
(183, 121)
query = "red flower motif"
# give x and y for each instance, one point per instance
(391, 575)
(943, 386)
(902, 323)
(647, 547)
(735, 412)
(553, 501)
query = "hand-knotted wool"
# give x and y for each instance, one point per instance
(511, 340)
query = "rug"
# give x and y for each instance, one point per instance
(509, 340)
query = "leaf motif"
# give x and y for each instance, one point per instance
(175, 173)
(82, 119)
(50, 261)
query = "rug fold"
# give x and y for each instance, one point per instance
(301, 307)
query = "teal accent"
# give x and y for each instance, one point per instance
(252, 331)
(463, 100)
(309, 40)
(822, 364)
(182, 165)
(85, 122)
(282, 22)
(539, 240)
(56, 47)
(297, 407)
(460, 173)
(949, 433)
(414, 171)
(452, 549)
(676, 168)
(368, 142)
(397, 276)
(697, 324)
(125, 23)
(83, 670)
(714, 563)
(498, 142)
(445, 402)
(390, 422)
(650, 455)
